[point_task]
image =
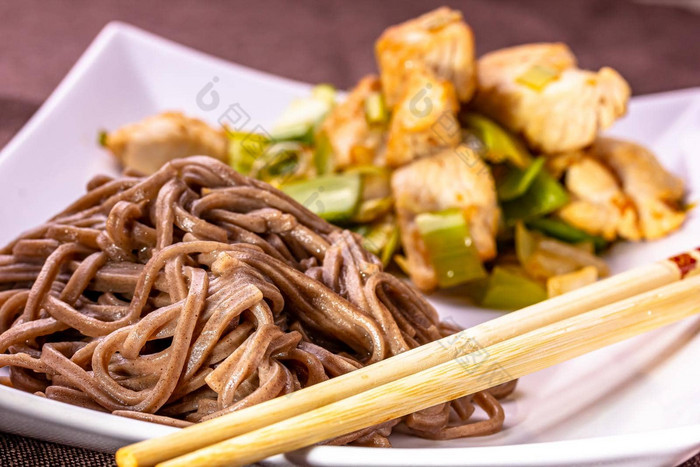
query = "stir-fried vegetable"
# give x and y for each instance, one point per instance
(282, 163)
(538, 77)
(450, 247)
(563, 231)
(517, 181)
(301, 118)
(380, 238)
(332, 197)
(373, 209)
(498, 144)
(323, 154)
(545, 195)
(244, 149)
(542, 257)
(376, 112)
(509, 290)
(376, 193)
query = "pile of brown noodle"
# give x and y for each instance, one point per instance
(196, 292)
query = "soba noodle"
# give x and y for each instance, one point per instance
(196, 292)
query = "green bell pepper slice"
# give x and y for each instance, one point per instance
(545, 195)
(562, 231)
(517, 181)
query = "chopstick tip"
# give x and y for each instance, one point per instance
(126, 458)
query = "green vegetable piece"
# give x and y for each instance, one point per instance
(508, 290)
(373, 209)
(402, 263)
(499, 144)
(301, 132)
(244, 149)
(376, 112)
(300, 119)
(280, 163)
(561, 230)
(335, 198)
(381, 239)
(391, 246)
(102, 138)
(325, 92)
(525, 243)
(517, 181)
(538, 77)
(544, 196)
(450, 247)
(323, 154)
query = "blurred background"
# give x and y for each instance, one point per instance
(655, 44)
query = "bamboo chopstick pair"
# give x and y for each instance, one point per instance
(516, 344)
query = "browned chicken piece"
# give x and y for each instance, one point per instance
(598, 205)
(454, 178)
(146, 146)
(352, 140)
(620, 189)
(656, 193)
(563, 283)
(424, 121)
(439, 41)
(537, 90)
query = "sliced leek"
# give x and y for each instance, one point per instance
(538, 77)
(380, 239)
(509, 290)
(244, 149)
(499, 144)
(373, 209)
(300, 119)
(450, 247)
(335, 198)
(323, 154)
(376, 112)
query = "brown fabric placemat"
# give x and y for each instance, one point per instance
(655, 48)
(17, 451)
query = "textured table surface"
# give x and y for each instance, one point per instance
(655, 47)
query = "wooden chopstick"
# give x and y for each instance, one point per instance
(506, 360)
(618, 287)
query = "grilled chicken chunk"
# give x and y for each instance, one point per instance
(439, 41)
(537, 90)
(353, 141)
(655, 192)
(147, 145)
(454, 178)
(620, 189)
(424, 121)
(598, 205)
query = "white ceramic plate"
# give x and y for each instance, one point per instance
(635, 403)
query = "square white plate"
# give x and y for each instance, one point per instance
(635, 403)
